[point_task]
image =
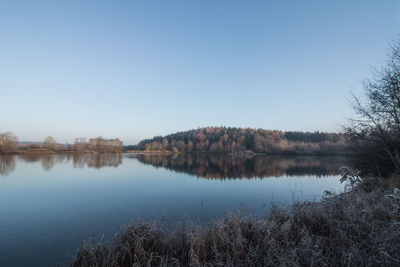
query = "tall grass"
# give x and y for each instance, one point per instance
(356, 228)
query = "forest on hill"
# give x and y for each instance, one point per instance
(239, 140)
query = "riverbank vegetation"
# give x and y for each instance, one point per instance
(9, 144)
(240, 140)
(353, 229)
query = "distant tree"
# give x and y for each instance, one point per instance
(116, 145)
(80, 144)
(101, 144)
(189, 146)
(92, 144)
(8, 142)
(375, 132)
(49, 143)
(165, 143)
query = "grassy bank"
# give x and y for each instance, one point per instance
(357, 228)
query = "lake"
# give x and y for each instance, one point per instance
(49, 204)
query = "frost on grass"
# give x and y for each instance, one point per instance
(356, 228)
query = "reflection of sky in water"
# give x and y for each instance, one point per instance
(46, 214)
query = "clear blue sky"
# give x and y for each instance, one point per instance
(133, 69)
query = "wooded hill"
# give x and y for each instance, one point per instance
(238, 140)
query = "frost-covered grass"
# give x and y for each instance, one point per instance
(357, 228)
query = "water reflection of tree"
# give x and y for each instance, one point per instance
(78, 160)
(7, 164)
(48, 160)
(228, 167)
(97, 160)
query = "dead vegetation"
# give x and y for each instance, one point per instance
(357, 228)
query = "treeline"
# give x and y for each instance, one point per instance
(233, 140)
(9, 144)
(99, 144)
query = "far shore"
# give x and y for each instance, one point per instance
(166, 152)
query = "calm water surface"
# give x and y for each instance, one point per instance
(49, 204)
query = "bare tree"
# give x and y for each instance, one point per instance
(375, 133)
(115, 145)
(49, 143)
(80, 144)
(101, 144)
(8, 142)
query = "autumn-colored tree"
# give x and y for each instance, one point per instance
(227, 139)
